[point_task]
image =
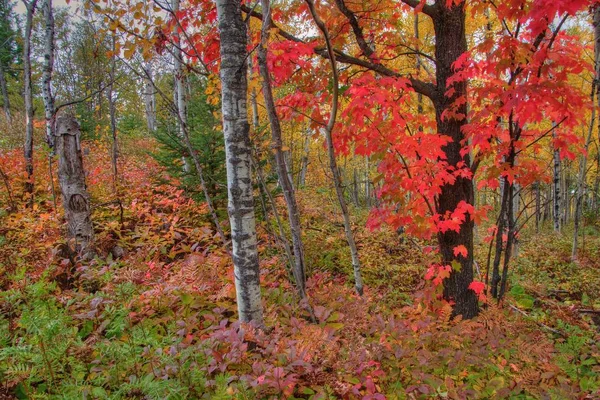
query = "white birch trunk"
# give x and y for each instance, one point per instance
(234, 88)
(180, 99)
(149, 98)
(48, 67)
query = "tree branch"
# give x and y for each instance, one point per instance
(425, 88)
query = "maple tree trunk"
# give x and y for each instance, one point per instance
(28, 99)
(234, 88)
(280, 157)
(5, 97)
(48, 67)
(449, 26)
(336, 175)
(71, 175)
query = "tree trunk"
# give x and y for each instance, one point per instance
(367, 183)
(304, 161)
(355, 188)
(71, 176)
(5, 98)
(180, 98)
(538, 209)
(583, 159)
(280, 156)
(113, 116)
(28, 99)
(449, 26)
(556, 190)
(48, 67)
(582, 172)
(234, 88)
(337, 178)
(149, 98)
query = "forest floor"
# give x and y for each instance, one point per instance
(153, 315)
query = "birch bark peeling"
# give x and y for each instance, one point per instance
(71, 175)
(234, 84)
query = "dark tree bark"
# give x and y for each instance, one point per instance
(5, 97)
(304, 161)
(234, 88)
(71, 175)
(451, 43)
(280, 159)
(112, 106)
(28, 98)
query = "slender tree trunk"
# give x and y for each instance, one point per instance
(581, 178)
(355, 188)
(304, 161)
(71, 175)
(583, 159)
(5, 97)
(48, 67)
(337, 178)
(556, 190)
(234, 89)
(149, 98)
(28, 98)
(113, 116)
(538, 208)
(566, 197)
(367, 183)
(280, 159)
(200, 173)
(11, 201)
(180, 98)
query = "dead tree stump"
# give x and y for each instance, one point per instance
(71, 175)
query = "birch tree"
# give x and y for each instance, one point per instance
(149, 98)
(48, 67)
(234, 87)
